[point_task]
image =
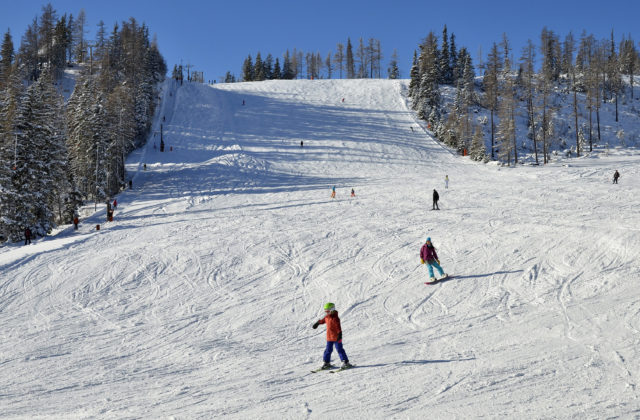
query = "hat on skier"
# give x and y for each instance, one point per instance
(429, 239)
(329, 306)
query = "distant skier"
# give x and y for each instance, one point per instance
(446, 181)
(27, 236)
(301, 143)
(353, 192)
(436, 197)
(616, 175)
(411, 127)
(130, 184)
(333, 192)
(428, 255)
(75, 223)
(243, 102)
(334, 336)
(115, 204)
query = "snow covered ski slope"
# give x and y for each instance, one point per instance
(198, 300)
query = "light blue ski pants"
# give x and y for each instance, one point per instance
(437, 266)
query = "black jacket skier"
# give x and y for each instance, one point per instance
(436, 197)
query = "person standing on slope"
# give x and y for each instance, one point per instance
(333, 192)
(436, 197)
(429, 255)
(446, 181)
(616, 175)
(334, 336)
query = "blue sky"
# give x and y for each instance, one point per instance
(216, 36)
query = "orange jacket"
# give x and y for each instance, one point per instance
(333, 326)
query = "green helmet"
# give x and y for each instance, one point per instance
(329, 306)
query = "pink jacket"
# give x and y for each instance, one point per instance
(428, 253)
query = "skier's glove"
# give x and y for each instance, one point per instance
(315, 325)
(340, 336)
(438, 261)
(421, 261)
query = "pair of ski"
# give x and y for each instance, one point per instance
(331, 369)
(429, 283)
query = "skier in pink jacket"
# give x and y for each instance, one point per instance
(428, 255)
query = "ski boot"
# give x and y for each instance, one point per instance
(346, 365)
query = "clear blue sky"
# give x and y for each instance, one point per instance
(216, 36)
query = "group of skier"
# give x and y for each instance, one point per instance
(428, 255)
(333, 192)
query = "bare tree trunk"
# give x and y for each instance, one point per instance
(616, 106)
(598, 120)
(544, 126)
(492, 136)
(575, 114)
(515, 141)
(533, 127)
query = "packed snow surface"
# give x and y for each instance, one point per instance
(197, 301)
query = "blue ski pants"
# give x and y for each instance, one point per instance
(339, 349)
(437, 266)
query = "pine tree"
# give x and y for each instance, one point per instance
(446, 77)
(351, 69)
(277, 72)
(41, 156)
(268, 67)
(258, 69)
(506, 110)
(247, 69)
(393, 71)
(453, 58)
(414, 84)
(6, 59)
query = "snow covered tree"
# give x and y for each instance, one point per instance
(506, 111)
(40, 160)
(478, 151)
(414, 83)
(628, 59)
(446, 76)
(6, 58)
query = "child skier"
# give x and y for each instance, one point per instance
(428, 254)
(334, 336)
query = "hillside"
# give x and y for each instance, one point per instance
(198, 300)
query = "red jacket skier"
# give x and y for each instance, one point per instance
(334, 336)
